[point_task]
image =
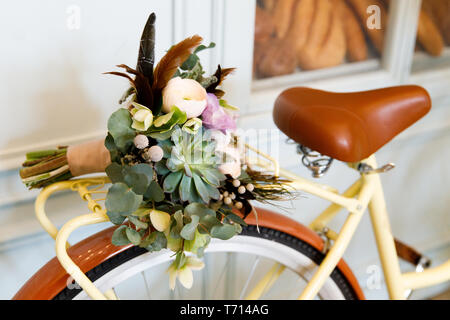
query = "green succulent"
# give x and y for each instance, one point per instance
(191, 160)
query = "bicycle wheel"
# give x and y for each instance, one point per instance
(280, 263)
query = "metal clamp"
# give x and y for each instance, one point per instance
(364, 168)
(327, 241)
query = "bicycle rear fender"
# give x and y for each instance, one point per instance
(51, 279)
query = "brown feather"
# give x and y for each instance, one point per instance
(173, 59)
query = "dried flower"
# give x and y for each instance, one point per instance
(215, 116)
(186, 94)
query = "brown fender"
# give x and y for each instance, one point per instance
(51, 279)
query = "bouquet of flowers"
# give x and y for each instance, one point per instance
(173, 159)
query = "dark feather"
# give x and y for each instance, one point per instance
(146, 56)
(173, 59)
(143, 88)
(121, 74)
(220, 74)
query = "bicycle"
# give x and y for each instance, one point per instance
(348, 127)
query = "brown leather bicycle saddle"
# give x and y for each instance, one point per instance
(348, 126)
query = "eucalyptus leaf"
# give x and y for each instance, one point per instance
(119, 126)
(122, 200)
(111, 146)
(188, 230)
(161, 168)
(133, 236)
(119, 237)
(114, 172)
(156, 241)
(138, 223)
(235, 218)
(198, 209)
(115, 217)
(223, 232)
(154, 192)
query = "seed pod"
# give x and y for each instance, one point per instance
(242, 190)
(236, 183)
(141, 141)
(155, 153)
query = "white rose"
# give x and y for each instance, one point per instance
(186, 94)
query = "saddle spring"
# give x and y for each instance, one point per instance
(313, 160)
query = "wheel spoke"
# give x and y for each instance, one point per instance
(147, 289)
(266, 282)
(250, 277)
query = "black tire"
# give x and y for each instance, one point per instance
(266, 233)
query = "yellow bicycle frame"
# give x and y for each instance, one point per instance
(366, 192)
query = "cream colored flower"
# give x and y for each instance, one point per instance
(142, 117)
(184, 274)
(186, 94)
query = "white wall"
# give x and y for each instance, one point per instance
(53, 93)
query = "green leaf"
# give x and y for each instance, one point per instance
(201, 188)
(185, 189)
(122, 200)
(188, 230)
(111, 146)
(212, 191)
(208, 222)
(166, 122)
(133, 236)
(161, 168)
(138, 223)
(115, 217)
(119, 126)
(177, 224)
(119, 237)
(171, 181)
(154, 242)
(114, 172)
(180, 260)
(198, 209)
(223, 232)
(198, 244)
(138, 177)
(235, 218)
(154, 192)
(213, 176)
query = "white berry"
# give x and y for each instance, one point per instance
(238, 205)
(140, 141)
(155, 153)
(227, 200)
(232, 196)
(225, 194)
(242, 190)
(236, 183)
(250, 187)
